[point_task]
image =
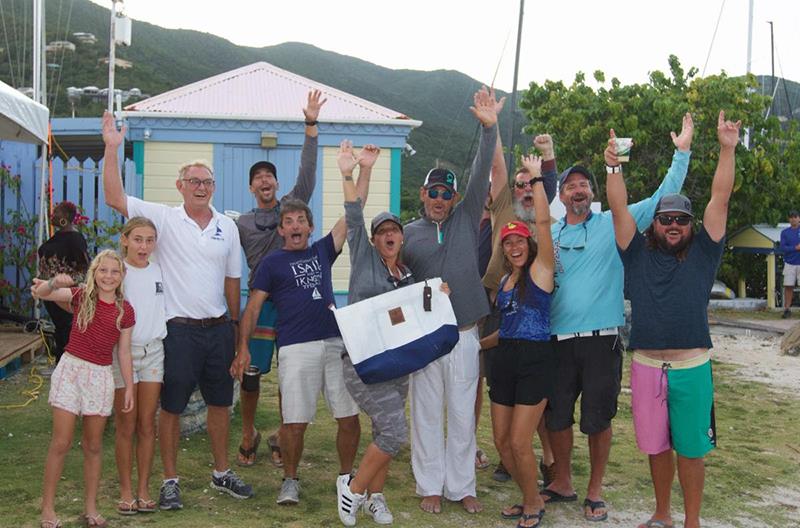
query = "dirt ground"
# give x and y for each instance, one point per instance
(759, 359)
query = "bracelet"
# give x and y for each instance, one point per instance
(235, 322)
(535, 179)
(311, 123)
(51, 283)
(616, 169)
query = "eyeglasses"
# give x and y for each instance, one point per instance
(405, 280)
(194, 183)
(575, 247)
(667, 220)
(446, 194)
(523, 184)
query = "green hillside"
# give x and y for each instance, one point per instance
(164, 59)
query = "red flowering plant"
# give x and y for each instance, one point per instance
(17, 248)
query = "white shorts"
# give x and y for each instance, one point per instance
(148, 364)
(82, 388)
(305, 369)
(791, 274)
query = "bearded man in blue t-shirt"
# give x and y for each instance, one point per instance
(669, 272)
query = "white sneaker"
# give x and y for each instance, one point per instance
(377, 508)
(347, 502)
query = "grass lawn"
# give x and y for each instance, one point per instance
(757, 458)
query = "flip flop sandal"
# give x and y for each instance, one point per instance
(481, 460)
(275, 448)
(146, 505)
(529, 517)
(518, 510)
(554, 496)
(55, 523)
(247, 453)
(94, 521)
(652, 523)
(594, 505)
(127, 508)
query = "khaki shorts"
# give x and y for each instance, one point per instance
(791, 274)
(82, 388)
(148, 364)
(305, 370)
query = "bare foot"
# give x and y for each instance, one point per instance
(431, 504)
(471, 504)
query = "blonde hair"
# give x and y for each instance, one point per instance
(130, 225)
(196, 163)
(89, 299)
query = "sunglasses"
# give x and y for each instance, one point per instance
(667, 220)
(446, 194)
(574, 246)
(194, 183)
(523, 184)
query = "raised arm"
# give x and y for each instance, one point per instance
(624, 224)
(544, 144)
(484, 110)
(542, 267)
(644, 210)
(307, 172)
(716, 214)
(499, 173)
(113, 191)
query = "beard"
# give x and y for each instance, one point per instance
(522, 213)
(670, 249)
(580, 209)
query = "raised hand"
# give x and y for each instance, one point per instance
(544, 144)
(610, 153)
(346, 160)
(112, 137)
(684, 140)
(368, 156)
(533, 164)
(727, 131)
(311, 111)
(485, 106)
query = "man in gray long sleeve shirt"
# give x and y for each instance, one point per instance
(444, 244)
(258, 232)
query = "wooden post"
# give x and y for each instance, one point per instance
(771, 281)
(742, 288)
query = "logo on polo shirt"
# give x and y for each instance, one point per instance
(316, 295)
(217, 234)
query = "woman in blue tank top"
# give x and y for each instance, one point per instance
(523, 366)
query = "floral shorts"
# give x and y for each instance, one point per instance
(82, 388)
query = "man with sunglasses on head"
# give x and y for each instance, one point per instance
(444, 243)
(669, 273)
(258, 231)
(586, 310)
(198, 249)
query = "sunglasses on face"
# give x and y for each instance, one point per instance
(667, 220)
(522, 184)
(445, 194)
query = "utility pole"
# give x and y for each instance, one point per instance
(510, 155)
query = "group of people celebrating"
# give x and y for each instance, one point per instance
(148, 331)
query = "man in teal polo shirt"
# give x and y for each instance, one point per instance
(586, 311)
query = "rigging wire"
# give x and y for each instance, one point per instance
(57, 89)
(8, 48)
(713, 37)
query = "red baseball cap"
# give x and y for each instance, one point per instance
(515, 228)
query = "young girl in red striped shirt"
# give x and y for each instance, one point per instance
(83, 384)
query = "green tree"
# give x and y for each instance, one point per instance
(579, 117)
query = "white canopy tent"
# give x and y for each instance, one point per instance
(23, 119)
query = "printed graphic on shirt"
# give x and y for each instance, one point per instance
(307, 274)
(159, 287)
(217, 233)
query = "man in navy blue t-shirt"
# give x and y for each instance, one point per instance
(298, 280)
(790, 246)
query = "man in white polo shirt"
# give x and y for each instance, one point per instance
(198, 249)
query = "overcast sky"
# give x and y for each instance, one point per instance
(624, 38)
